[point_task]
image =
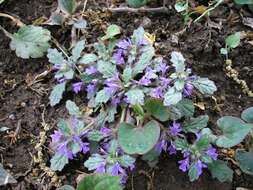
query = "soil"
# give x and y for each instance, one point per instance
(23, 103)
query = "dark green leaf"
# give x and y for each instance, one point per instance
(67, 6)
(234, 131)
(194, 125)
(233, 40)
(139, 140)
(193, 172)
(66, 187)
(221, 171)
(244, 2)
(156, 108)
(186, 107)
(137, 3)
(245, 160)
(247, 115)
(204, 85)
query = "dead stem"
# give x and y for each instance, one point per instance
(18, 22)
(164, 10)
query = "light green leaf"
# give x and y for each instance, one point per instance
(234, 131)
(157, 109)
(181, 6)
(245, 160)
(247, 115)
(135, 96)
(172, 97)
(5, 177)
(181, 144)
(144, 60)
(221, 171)
(63, 126)
(244, 2)
(203, 143)
(56, 94)
(138, 35)
(66, 187)
(72, 108)
(137, 3)
(93, 162)
(58, 161)
(186, 107)
(126, 160)
(67, 6)
(88, 58)
(30, 41)
(106, 68)
(127, 74)
(193, 172)
(204, 85)
(102, 97)
(100, 182)
(77, 50)
(224, 51)
(194, 125)
(138, 140)
(178, 61)
(95, 135)
(233, 40)
(112, 30)
(55, 57)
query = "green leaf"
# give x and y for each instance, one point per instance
(102, 97)
(181, 6)
(203, 143)
(112, 30)
(126, 160)
(56, 94)
(151, 157)
(72, 108)
(172, 97)
(221, 171)
(100, 182)
(77, 50)
(67, 6)
(94, 161)
(186, 107)
(88, 58)
(181, 144)
(178, 61)
(136, 3)
(193, 172)
(224, 51)
(106, 68)
(247, 115)
(138, 110)
(157, 109)
(66, 187)
(234, 131)
(127, 74)
(144, 60)
(135, 96)
(5, 177)
(95, 135)
(138, 35)
(245, 160)
(244, 2)
(233, 40)
(30, 41)
(204, 85)
(63, 126)
(55, 57)
(194, 125)
(138, 140)
(58, 161)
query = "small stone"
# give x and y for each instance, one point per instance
(12, 116)
(23, 104)
(241, 188)
(146, 22)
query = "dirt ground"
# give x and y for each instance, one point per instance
(23, 102)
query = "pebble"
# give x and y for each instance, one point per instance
(242, 188)
(12, 116)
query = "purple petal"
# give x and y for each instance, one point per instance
(184, 164)
(77, 87)
(157, 93)
(91, 70)
(172, 149)
(175, 129)
(118, 56)
(212, 152)
(124, 44)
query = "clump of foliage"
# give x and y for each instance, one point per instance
(141, 107)
(137, 3)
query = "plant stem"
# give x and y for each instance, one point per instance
(139, 10)
(123, 114)
(15, 20)
(8, 34)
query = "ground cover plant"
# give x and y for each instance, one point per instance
(123, 99)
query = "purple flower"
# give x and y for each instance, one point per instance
(188, 89)
(61, 80)
(90, 89)
(63, 149)
(77, 87)
(144, 81)
(117, 169)
(115, 101)
(175, 129)
(150, 73)
(172, 149)
(162, 67)
(184, 164)
(91, 70)
(143, 42)
(124, 44)
(199, 166)
(56, 136)
(162, 145)
(164, 82)
(157, 93)
(105, 131)
(212, 153)
(100, 168)
(118, 56)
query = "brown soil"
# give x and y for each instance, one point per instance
(23, 103)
